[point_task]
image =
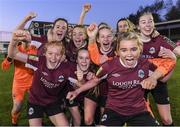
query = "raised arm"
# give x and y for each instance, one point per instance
(92, 45)
(18, 36)
(27, 18)
(85, 9)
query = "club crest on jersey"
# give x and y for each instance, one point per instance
(152, 50)
(104, 117)
(61, 78)
(32, 57)
(31, 111)
(141, 73)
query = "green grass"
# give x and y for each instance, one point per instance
(6, 101)
(174, 94)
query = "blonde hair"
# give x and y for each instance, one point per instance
(55, 43)
(129, 36)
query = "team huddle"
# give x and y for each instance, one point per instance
(82, 69)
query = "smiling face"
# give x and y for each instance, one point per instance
(53, 53)
(78, 36)
(105, 39)
(129, 48)
(123, 26)
(83, 60)
(146, 24)
(60, 30)
(129, 52)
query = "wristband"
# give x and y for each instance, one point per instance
(9, 59)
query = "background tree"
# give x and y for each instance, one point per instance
(174, 12)
(161, 10)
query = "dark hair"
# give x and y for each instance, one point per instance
(102, 24)
(130, 25)
(121, 19)
(81, 49)
(60, 19)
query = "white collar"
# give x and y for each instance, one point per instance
(126, 65)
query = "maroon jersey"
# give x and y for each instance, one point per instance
(71, 51)
(42, 39)
(125, 94)
(72, 81)
(49, 85)
(152, 48)
(103, 86)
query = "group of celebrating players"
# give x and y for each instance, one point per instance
(82, 69)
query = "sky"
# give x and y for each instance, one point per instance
(109, 11)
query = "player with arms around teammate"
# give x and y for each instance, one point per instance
(127, 76)
(49, 82)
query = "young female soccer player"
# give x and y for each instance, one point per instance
(82, 74)
(79, 40)
(49, 82)
(124, 25)
(127, 76)
(155, 47)
(22, 79)
(101, 49)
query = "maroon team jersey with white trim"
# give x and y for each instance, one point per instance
(125, 94)
(152, 48)
(49, 85)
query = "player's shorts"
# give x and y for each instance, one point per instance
(72, 103)
(102, 101)
(37, 111)
(112, 118)
(92, 96)
(99, 100)
(159, 93)
(19, 92)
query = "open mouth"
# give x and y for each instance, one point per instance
(130, 62)
(106, 46)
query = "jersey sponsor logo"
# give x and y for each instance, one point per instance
(32, 57)
(104, 117)
(126, 84)
(48, 84)
(31, 111)
(152, 50)
(141, 73)
(116, 75)
(61, 78)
